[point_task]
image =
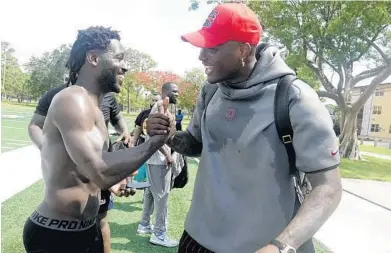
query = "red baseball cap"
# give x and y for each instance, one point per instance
(231, 21)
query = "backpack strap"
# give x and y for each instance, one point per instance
(282, 120)
(210, 94)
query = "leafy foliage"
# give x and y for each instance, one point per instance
(47, 71)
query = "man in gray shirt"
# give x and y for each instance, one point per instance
(244, 198)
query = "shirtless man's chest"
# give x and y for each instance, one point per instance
(69, 192)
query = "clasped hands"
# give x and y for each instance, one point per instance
(160, 121)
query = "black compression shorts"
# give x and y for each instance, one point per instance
(45, 235)
(104, 201)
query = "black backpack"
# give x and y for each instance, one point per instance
(181, 180)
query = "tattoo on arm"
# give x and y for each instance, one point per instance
(184, 143)
(317, 207)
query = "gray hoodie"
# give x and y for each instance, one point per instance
(243, 196)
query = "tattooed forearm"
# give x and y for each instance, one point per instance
(184, 143)
(316, 209)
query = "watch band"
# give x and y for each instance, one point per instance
(283, 248)
(278, 244)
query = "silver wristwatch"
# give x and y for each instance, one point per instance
(283, 248)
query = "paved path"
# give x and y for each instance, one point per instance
(357, 226)
(20, 168)
(386, 157)
(376, 192)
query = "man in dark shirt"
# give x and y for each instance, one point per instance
(109, 108)
(139, 124)
(111, 113)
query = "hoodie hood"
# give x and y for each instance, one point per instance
(270, 66)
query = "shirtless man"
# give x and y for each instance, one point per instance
(75, 163)
(111, 113)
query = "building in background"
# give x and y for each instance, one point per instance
(374, 119)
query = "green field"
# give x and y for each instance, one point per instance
(369, 168)
(15, 119)
(377, 150)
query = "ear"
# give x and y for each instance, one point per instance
(245, 50)
(92, 58)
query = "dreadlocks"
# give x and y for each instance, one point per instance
(96, 37)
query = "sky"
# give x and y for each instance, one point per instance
(150, 26)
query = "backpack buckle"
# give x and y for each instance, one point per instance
(287, 139)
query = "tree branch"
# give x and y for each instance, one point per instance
(372, 87)
(322, 58)
(331, 95)
(370, 42)
(379, 50)
(322, 77)
(341, 80)
(367, 74)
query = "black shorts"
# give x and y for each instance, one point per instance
(104, 201)
(187, 245)
(41, 239)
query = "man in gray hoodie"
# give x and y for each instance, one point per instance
(244, 199)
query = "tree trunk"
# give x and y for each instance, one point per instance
(128, 100)
(350, 146)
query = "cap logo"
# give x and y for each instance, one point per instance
(211, 18)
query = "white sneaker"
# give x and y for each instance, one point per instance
(162, 240)
(144, 229)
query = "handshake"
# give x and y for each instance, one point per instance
(160, 123)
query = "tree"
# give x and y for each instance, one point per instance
(48, 71)
(331, 39)
(138, 62)
(158, 78)
(13, 79)
(190, 88)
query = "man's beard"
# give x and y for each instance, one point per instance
(108, 81)
(172, 100)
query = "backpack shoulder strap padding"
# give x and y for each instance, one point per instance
(282, 120)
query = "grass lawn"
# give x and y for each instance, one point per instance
(123, 218)
(16, 117)
(377, 150)
(370, 168)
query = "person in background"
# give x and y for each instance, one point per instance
(178, 120)
(139, 132)
(159, 174)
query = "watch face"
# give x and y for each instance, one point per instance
(291, 251)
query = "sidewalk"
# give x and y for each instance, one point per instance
(20, 168)
(386, 157)
(357, 226)
(374, 191)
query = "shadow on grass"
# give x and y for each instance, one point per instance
(132, 241)
(127, 207)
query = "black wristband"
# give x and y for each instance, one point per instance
(277, 243)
